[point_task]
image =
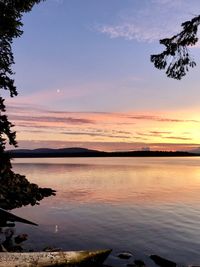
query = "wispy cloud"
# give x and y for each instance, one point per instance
(160, 119)
(178, 138)
(154, 20)
(69, 120)
(24, 113)
(160, 132)
(36, 123)
(147, 134)
(96, 134)
(133, 31)
(163, 135)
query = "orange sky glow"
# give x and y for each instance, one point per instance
(106, 131)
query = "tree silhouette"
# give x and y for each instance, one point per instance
(176, 59)
(15, 189)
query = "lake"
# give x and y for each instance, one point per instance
(142, 205)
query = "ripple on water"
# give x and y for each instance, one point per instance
(142, 205)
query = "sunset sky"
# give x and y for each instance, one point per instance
(85, 79)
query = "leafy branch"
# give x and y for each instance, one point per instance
(176, 59)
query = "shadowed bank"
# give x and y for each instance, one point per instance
(16, 191)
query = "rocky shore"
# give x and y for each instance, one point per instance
(10, 242)
(129, 259)
(15, 190)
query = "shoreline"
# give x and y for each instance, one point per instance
(59, 153)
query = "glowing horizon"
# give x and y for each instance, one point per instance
(132, 130)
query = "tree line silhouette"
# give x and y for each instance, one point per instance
(15, 189)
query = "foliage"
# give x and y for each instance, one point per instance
(176, 59)
(11, 12)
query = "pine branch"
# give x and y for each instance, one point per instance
(176, 59)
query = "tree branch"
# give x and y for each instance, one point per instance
(176, 59)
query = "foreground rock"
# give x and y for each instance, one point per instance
(162, 262)
(44, 259)
(16, 191)
(125, 255)
(139, 259)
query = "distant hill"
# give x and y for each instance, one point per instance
(50, 152)
(195, 150)
(84, 152)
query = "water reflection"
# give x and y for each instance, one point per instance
(117, 183)
(149, 205)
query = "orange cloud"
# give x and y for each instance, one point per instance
(37, 124)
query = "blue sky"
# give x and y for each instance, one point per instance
(88, 56)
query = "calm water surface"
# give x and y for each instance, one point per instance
(148, 205)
